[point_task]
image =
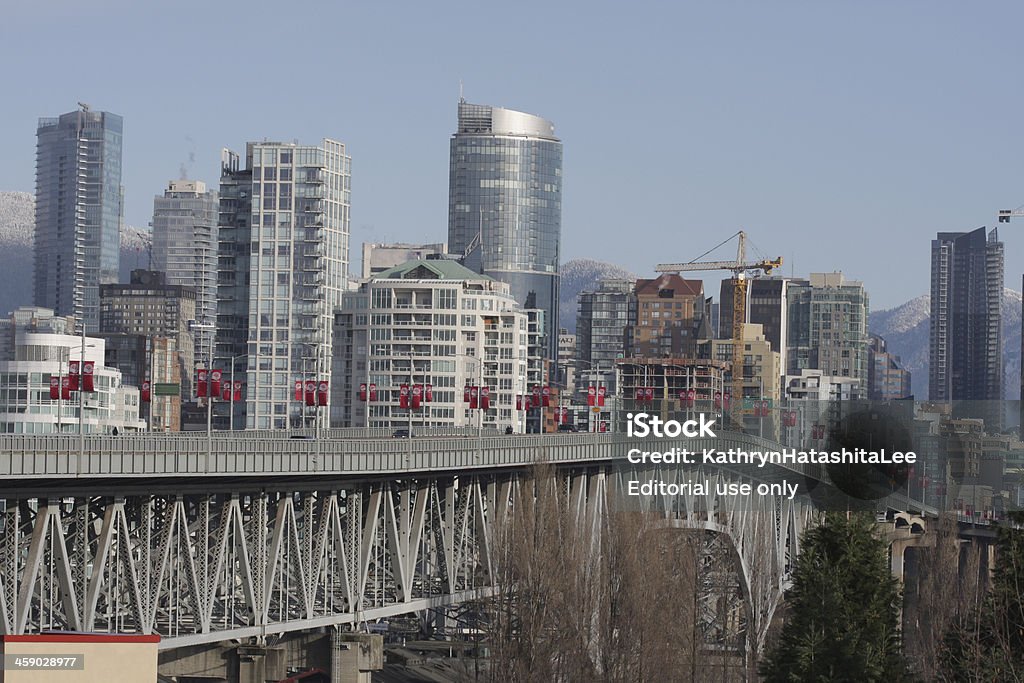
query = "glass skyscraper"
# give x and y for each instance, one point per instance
(505, 203)
(78, 211)
(283, 241)
(185, 246)
(965, 350)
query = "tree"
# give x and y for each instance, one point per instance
(843, 609)
(989, 645)
(941, 596)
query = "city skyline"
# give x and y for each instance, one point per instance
(888, 144)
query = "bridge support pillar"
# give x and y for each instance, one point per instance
(354, 656)
(258, 664)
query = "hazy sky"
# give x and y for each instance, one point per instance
(841, 136)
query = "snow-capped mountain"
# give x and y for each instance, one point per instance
(17, 232)
(905, 328)
(580, 275)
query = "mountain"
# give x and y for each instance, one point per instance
(17, 233)
(905, 328)
(580, 275)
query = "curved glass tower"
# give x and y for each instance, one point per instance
(505, 203)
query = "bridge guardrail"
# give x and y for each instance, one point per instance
(241, 454)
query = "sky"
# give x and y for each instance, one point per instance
(840, 136)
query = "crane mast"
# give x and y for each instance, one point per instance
(739, 269)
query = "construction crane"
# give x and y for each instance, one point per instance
(1006, 214)
(738, 268)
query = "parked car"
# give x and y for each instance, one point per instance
(568, 428)
(402, 434)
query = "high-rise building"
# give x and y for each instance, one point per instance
(438, 323)
(185, 247)
(766, 306)
(601, 322)
(828, 328)
(505, 202)
(145, 324)
(887, 381)
(669, 310)
(283, 256)
(762, 374)
(965, 341)
(78, 211)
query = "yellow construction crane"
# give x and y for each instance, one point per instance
(738, 268)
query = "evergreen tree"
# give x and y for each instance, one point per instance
(843, 609)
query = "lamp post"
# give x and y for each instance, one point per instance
(595, 370)
(209, 368)
(480, 365)
(81, 396)
(231, 403)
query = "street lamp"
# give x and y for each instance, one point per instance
(316, 375)
(193, 325)
(81, 399)
(596, 372)
(480, 365)
(231, 403)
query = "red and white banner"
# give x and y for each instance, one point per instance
(691, 397)
(403, 396)
(215, 376)
(298, 390)
(473, 392)
(65, 388)
(54, 387)
(718, 399)
(591, 395)
(201, 383)
(641, 393)
(310, 393)
(225, 391)
(144, 394)
(466, 392)
(362, 391)
(417, 395)
(519, 401)
(601, 391)
(727, 399)
(428, 393)
(237, 396)
(649, 394)
(87, 373)
(321, 393)
(373, 392)
(485, 398)
(527, 402)
(73, 375)
(545, 394)
(565, 416)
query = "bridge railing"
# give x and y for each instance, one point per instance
(241, 454)
(245, 454)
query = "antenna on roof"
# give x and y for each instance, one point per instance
(461, 98)
(84, 106)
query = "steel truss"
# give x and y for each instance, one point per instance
(763, 533)
(208, 567)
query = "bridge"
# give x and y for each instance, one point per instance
(250, 535)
